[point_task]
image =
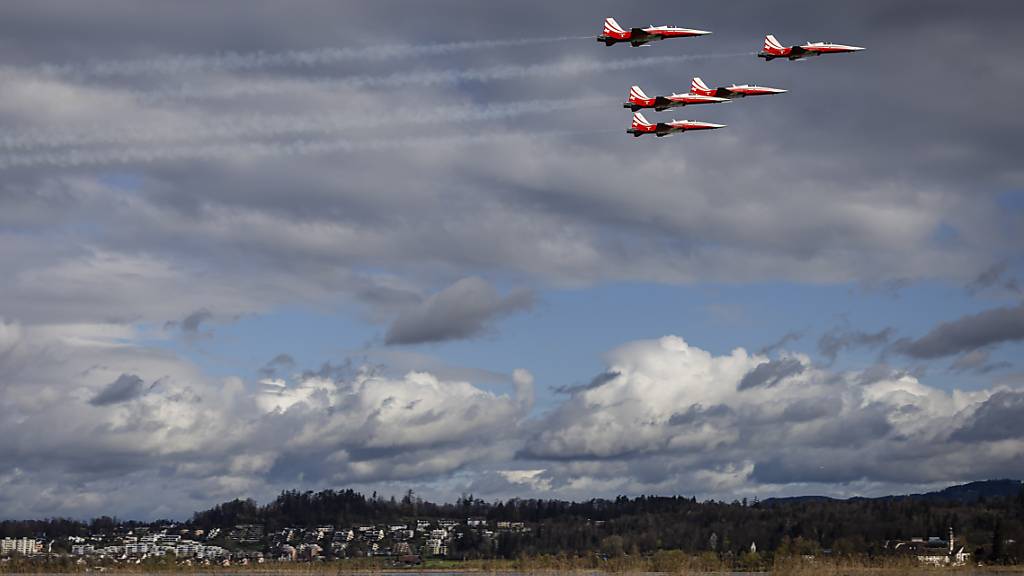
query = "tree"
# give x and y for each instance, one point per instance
(997, 543)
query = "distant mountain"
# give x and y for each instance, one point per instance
(974, 491)
(963, 493)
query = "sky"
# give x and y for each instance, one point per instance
(256, 246)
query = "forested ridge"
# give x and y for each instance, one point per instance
(989, 520)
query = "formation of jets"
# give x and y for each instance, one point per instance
(699, 92)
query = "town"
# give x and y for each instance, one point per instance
(249, 543)
(979, 523)
(404, 544)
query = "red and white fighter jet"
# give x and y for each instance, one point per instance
(638, 100)
(772, 49)
(699, 88)
(613, 33)
(641, 126)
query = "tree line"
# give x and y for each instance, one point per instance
(991, 527)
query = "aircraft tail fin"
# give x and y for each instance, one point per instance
(613, 30)
(697, 86)
(638, 97)
(772, 45)
(640, 122)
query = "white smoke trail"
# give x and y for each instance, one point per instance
(243, 61)
(270, 126)
(241, 87)
(242, 151)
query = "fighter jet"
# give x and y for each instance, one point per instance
(639, 100)
(613, 33)
(641, 126)
(699, 88)
(772, 49)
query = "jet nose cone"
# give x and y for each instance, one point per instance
(702, 32)
(857, 48)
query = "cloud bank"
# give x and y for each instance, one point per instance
(665, 416)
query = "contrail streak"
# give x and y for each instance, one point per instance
(241, 87)
(246, 150)
(243, 61)
(270, 126)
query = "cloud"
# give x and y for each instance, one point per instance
(463, 310)
(595, 382)
(674, 415)
(10, 335)
(662, 414)
(532, 478)
(191, 323)
(523, 381)
(998, 418)
(966, 334)
(771, 373)
(285, 361)
(222, 438)
(240, 228)
(995, 276)
(780, 343)
(126, 387)
(838, 339)
(977, 361)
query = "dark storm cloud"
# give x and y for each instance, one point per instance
(462, 310)
(1001, 417)
(126, 387)
(595, 382)
(285, 361)
(697, 413)
(780, 343)
(996, 276)
(771, 373)
(540, 211)
(793, 469)
(835, 341)
(810, 409)
(192, 322)
(989, 328)
(977, 362)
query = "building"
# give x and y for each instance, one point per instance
(25, 546)
(140, 549)
(246, 533)
(934, 551)
(432, 547)
(188, 549)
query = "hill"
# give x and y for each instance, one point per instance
(962, 494)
